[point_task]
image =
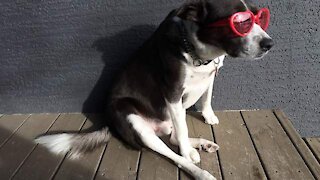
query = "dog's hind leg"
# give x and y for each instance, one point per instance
(178, 116)
(152, 141)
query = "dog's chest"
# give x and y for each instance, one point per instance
(197, 81)
(198, 77)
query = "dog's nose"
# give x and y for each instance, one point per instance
(266, 44)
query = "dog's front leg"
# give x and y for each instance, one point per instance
(206, 109)
(178, 116)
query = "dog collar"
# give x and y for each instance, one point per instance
(189, 48)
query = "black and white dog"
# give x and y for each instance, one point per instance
(175, 68)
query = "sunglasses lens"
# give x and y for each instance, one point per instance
(264, 19)
(243, 22)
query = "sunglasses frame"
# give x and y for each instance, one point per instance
(254, 19)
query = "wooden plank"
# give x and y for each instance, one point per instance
(119, 162)
(9, 125)
(86, 166)
(280, 158)
(314, 144)
(19, 146)
(41, 162)
(298, 142)
(157, 167)
(238, 158)
(198, 129)
(154, 166)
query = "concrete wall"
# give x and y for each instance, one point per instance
(59, 56)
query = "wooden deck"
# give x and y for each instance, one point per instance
(253, 145)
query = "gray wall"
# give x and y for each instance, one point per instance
(59, 56)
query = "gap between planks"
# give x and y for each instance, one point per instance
(34, 147)
(274, 145)
(12, 126)
(314, 145)
(20, 144)
(301, 146)
(41, 159)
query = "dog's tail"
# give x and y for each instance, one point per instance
(74, 143)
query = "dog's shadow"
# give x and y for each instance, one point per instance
(116, 51)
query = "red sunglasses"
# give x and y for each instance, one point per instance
(242, 23)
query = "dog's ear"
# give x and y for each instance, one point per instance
(195, 11)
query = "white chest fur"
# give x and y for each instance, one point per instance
(198, 79)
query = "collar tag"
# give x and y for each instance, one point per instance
(197, 62)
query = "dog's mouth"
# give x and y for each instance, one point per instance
(246, 52)
(261, 55)
(239, 53)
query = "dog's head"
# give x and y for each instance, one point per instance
(203, 13)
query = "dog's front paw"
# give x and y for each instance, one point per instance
(208, 146)
(191, 154)
(210, 117)
(205, 175)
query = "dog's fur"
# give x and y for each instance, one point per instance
(160, 82)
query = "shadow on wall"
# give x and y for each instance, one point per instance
(116, 50)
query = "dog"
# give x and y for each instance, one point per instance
(172, 70)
